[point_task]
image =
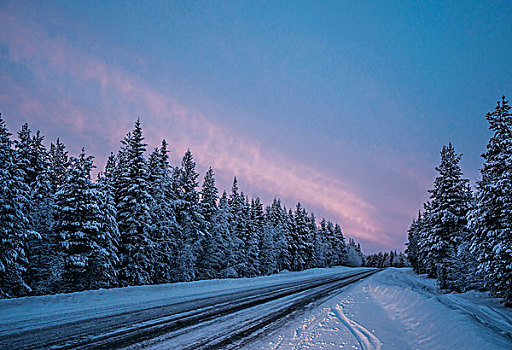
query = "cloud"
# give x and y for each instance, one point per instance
(123, 97)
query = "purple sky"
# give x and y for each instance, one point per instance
(342, 107)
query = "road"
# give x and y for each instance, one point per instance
(225, 320)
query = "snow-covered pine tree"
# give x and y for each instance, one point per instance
(78, 224)
(491, 217)
(354, 255)
(105, 262)
(189, 242)
(322, 245)
(310, 243)
(449, 203)
(134, 216)
(165, 227)
(239, 217)
(59, 163)
(221, 226)
(278, 219)
(209, 198)
(412, 245)
(252, 237)
(268, 251)
(332, 257)
(33, 159)
(210, 263)
(299, 239)
(425, 253)
(339, 247)
(14, 230)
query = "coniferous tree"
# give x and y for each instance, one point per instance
(222, 227)
(339, 247)
(239, 216)
(189, 218)
(491, 217)
(354, 255)
(165, 226)
(59, 163)
(300, 239)
(252, 236)
(105, 262)
(134, 216)
(278, 220)
(450, 199)
(14, 230)
(78, 225)
(210, 263)
(311, 237)
(412, 245)
(322, 245)
(33, 159)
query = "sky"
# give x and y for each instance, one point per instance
(343, 106)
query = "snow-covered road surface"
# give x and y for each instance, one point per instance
(205, 314)
(315, 309)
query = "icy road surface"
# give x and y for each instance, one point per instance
(204, 314)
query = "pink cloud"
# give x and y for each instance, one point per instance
(31, 46)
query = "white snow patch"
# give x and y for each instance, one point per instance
(396, 309)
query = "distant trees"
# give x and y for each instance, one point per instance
(386, 259)
(465, 241)
(142, 221)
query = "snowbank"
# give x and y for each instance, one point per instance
(396, 309)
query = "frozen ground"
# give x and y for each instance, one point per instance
(396, 309)
(315, 309)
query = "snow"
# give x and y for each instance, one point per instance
(393, 309)
(28, 313)
(396, 309)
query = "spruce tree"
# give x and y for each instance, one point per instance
(44, 264)
(134, 216)
(322, 246)
(449, 203)
(165, 227)
(59, 163)
(76, 224)
(277, 218)
(339, 247)
(491, 218)
(14, 228)
(222, 227)
(189, 242)
(412, 245)
(300, 239)
(252, 236)
(210, 263)
(105, 262)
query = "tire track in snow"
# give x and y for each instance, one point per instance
(365, 338)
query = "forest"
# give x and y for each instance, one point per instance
(464, 238)
(142, 221)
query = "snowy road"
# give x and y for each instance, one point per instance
(215, 318)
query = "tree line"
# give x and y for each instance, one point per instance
(464, 239)
(386, 259)
(142, 221)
